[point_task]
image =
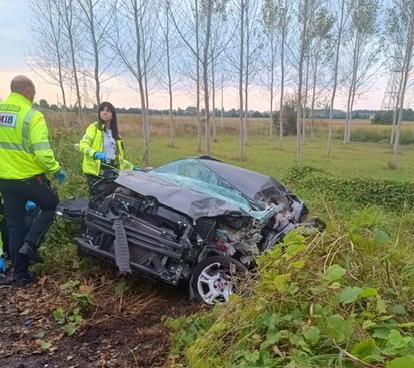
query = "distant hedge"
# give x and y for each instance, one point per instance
(390, 194)
(375, 135)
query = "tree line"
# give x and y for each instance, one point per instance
(380, 116)
(308, 51)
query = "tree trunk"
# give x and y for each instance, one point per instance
(144, 111)
(331, 107)
(222, 102)
(61, 86)
(314, 78)
(348, 138)
(348, 112)
(241, 66)
(205, 77)
(89, 13)
(396, 111)
(406, 72)
(246, 83)
(246, 111)
(305, 100)
(282, 77)
(351, 91)
(213, 95)
(199, 130)
(75, 77)
(147, 130)
(272, 66)
(68, 24)
(170, 93)
(300, 82)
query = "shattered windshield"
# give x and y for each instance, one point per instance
(191, 174)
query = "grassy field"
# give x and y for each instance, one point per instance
(358, 159)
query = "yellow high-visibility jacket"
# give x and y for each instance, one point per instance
(24, 140)
(92, 142)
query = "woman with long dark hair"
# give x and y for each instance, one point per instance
(102, 146)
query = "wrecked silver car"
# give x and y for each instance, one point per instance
(195, 220)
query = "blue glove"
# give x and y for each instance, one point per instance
(30, 206)
(2, 264)
(99, 156)
(60, 176)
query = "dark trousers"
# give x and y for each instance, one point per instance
(3, 227)
(15, 194)
(98, 189)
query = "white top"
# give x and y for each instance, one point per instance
(109, 145)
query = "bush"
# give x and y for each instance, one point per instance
(375, 135)
(384, 117)
(289, 119)
(389, 194)
(370, 135)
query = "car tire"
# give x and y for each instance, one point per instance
(213, 279)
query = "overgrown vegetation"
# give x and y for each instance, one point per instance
(339, 299)
(289, 119)
(376, 135)
(386, 117)
(390, 194)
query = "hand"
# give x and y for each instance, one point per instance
(60, 176)
(99, 156)
(30, 206)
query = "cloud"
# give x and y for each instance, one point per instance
(15, 36)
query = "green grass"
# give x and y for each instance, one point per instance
(358, 159)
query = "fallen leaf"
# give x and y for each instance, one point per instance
(25, 312)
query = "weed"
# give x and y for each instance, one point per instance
(70, 321)
(323, 302)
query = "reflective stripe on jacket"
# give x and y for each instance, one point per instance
(24, 140)
(91, 143)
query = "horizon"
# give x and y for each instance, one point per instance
(185, 108)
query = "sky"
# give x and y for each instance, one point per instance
(16, 42)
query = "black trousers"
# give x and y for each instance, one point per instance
(96, 189)
(15, 195)
(3, 228)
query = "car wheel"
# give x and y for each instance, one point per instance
(214, 279)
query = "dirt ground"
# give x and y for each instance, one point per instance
(115, 332)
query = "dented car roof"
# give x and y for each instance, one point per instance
(203, 187)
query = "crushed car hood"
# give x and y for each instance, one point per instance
(190, 202)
